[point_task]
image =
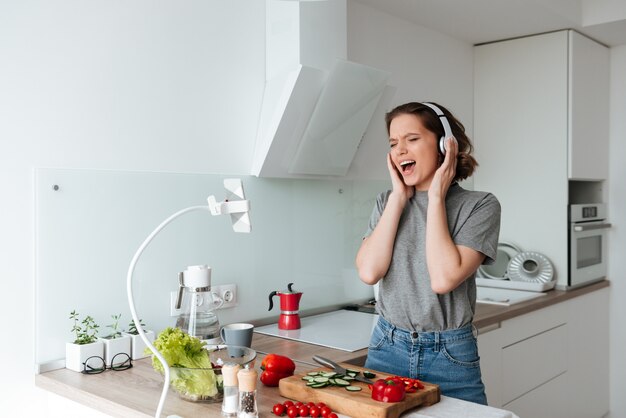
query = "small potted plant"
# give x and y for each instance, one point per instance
(85, 344)
(137, 344)
(115, 343)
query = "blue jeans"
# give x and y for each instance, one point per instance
(447, 358)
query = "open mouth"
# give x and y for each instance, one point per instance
(407, 166)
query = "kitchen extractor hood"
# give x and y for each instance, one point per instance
(316, 105)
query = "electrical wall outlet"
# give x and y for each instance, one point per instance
(173, 310)
(228, 292)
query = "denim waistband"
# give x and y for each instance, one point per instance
(427, 336)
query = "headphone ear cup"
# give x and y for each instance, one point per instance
(442, 145)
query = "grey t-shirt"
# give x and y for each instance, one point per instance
(405, 297)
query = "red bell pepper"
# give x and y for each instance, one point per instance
(276, 367)
(410, 385)
(388, 390)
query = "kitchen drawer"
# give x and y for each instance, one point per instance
(533, 361)
(534, 323)
(549, 400)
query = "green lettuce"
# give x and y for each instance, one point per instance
(189, 361)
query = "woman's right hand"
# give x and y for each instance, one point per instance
(399, 188)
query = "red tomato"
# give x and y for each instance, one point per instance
(278, 409)
(332, 415)
(304, 411)
(314, 411)
(325, 411)
(320, 405)
(292, 412)
(287, 404)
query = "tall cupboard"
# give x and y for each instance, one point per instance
(540, 121)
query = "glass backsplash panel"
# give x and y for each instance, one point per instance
(89, 223)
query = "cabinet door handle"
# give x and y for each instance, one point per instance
(580, 228)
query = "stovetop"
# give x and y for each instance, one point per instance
(347, 330)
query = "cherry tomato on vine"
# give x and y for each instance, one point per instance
(314, 411)
(292, 412)
(279, 409)
(325, 411)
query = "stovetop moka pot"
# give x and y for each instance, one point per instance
(289, 307)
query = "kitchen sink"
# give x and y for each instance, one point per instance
(505, 297)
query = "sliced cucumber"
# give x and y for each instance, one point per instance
(313, 373)
(309, 378)
(321, 379)
(348, 377)
(319, 385)
(350, 371)
(369, 374)
(353, 388)
(342, 382)
(329, 374)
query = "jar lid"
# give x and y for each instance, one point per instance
(229, 371)
(247, 380)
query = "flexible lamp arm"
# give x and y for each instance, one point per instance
(240, 224)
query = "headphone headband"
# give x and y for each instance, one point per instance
(447, 130)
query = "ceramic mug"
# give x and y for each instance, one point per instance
(237, 334)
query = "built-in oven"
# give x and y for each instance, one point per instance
(588, 231)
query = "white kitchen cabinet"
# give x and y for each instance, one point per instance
(490, 351)
(552, 362)
(588, 140)
(547, 401)
(588, 355)
(540, 119)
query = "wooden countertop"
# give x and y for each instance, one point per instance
(135, 393)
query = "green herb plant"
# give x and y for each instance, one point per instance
(191, 369)
(132, 328)
(115, 326)
(86, 331)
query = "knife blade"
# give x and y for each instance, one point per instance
(338, 369)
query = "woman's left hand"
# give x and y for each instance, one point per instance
(445, 173)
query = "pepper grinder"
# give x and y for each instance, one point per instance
(230, 402)
(247, 394)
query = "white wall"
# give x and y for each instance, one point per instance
(155, 86)
(617, 236)
(425, 66)
(141, 85)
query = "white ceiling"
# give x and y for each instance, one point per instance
(479, 21)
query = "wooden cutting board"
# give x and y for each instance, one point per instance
(356, 404)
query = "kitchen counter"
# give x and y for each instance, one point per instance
(135, 392)
(489, 315)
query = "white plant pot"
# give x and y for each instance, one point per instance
(113, 346)
(138, 345)
(77, 354)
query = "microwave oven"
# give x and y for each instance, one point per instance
(587, 236)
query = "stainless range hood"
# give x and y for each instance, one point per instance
(317, 105)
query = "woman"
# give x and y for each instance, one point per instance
(425, 241)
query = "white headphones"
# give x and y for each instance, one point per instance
(447, 131)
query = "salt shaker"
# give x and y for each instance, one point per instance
(230, 402)
(247, 394)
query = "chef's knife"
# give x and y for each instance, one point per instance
(340, 370)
